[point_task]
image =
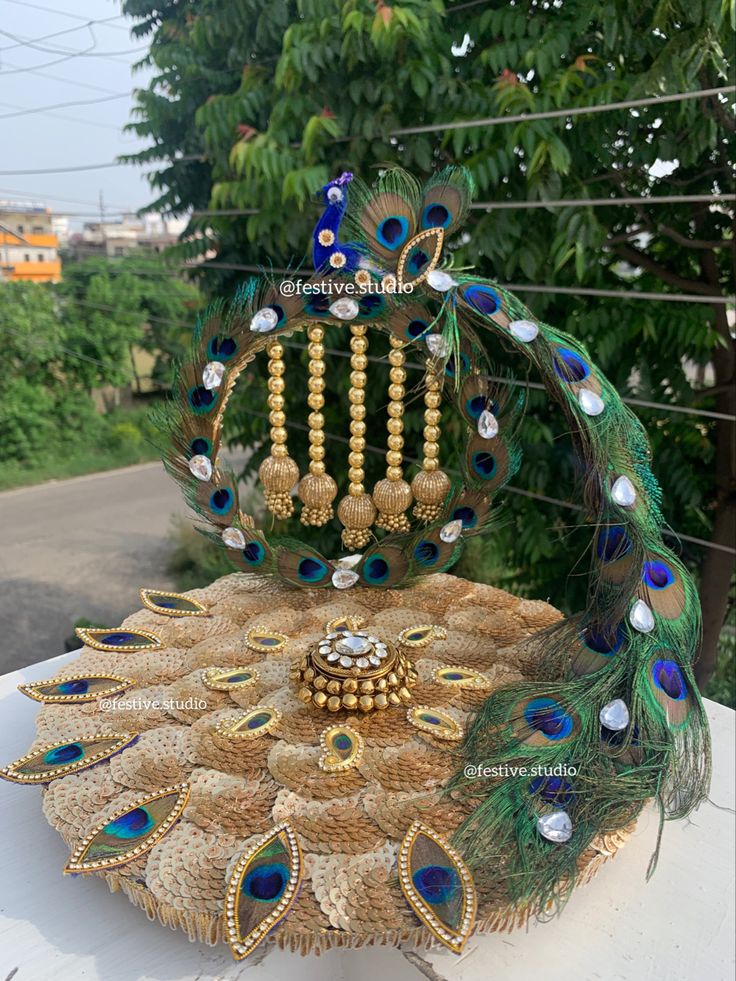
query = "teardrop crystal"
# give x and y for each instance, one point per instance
(264, 320)
(233, 538)
(344, 578)
(524, 330)
(487, 424)
(641, 617)
(345, 308)
(614, 715)
(437, 345)
(450, 532)
(590, 403)
(623, 492)
(212, 374)
(555, 826)
(440, 280)
(201, 467)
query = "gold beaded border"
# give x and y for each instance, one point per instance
(434, 632)
(332, 764)
(209, 678)
(9, 772)
(227, 727)
(75, 863)
(477, 679)
(259, 648)
(454, 940)
(145, 595)
(30, 688)
(453, 734)
(242, 946)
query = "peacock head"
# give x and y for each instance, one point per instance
(333, 192)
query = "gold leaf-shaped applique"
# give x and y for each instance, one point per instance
(351, 622)
(437, 885)
(436, 722)
(342, 748)
(76, 689)
(59, 759)
(252, 724)
(130, 832)
(262, 888)
(265, 641)
(421, 635)
(419, 256)
(459, 677)
(229, 679)
(119, 639)
(172, 604)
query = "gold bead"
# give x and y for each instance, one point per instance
(394, 698)
(305, 694)
(334, 687)
(278, 475)
(433, 400)
(396, 358)
(277, 418)
(394, 458)
(394, 473)
(395, 426)
(358, 379)
(357, 444)
(350, 685)
(397, 376)
(317, 468)
(359, 362)
(432, 433)
(357, 428)
(395, 442)
(431, 464)
(357, 412)
(380, 701)
(315, 401)
(315, 333)
(275, 350)
(316, 384)
(316, 452)
(356, 475)
(431, 450)
(432, 417)
(356, 490)
(320, 699)
(359, 345)
(431, 487)
(356, 396)
(276, 385)
(278, 434)
(279, 450)
(396, 392)
(333, 703)
(355, 459)
(395, 410)
(315, 420)
(317, 368)
(319, 682)
(277, 369)
(317, 437)
(365, 703)
(276, 402)
(316, 351)
(356, 513)
(392, 496)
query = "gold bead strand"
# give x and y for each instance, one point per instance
(278, 473)
(356, 510)
(317, 489)
(392, 495)
(431, 485)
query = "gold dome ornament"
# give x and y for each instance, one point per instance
(317, 490)
(431, 485)
(355, 670)
(278, 473)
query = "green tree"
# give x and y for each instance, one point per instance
(272, 99)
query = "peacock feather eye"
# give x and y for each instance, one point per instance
(119, 639)
(569, 366)
(342, 748)
(254, 553)
(251, 725)
(436, 722)
(541, 721)
(437, 885)
(60, 759)
(130, 832)
(484, 464)
(484, 299)
(459, 677)
(392, 232)
(200, 446)
(222, 349)
(229, 679)
(201, 399)
(416, 329)
(421, 635)
(598, 644)
(77, 689)
(261, 889)
(552, 790)
(436, 215)
(172, 604)
(265, 641)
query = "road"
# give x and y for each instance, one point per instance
(80, 548)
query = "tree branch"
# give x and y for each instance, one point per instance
(695, 243)
(641, 259)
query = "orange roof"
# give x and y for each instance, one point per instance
(38, 241)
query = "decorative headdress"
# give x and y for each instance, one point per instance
(610, 690)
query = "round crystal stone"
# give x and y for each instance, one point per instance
(353, 645)
(590, 403)
(345, 308)
(451, 531)
(264, 320)
(212, 375)
(201, 467)
(438, 345)
(346, 662)
(487, 424)
(623, 492)
(362, 662)
(374, 659)
(555, 826)
(524, 330)
(440, 280)
(332, 657)
(233, 538)
(614, 715)
(641, 617)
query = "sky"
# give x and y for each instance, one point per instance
(74, 135)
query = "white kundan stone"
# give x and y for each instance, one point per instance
(212, 375)
(614, 715)
(623, 492)
(555, 826)
(524, 330)
(201, 467)
(487, 424)
(440, 280)
(345, 308)
(590, 403)
(641, 617)
(264, 320)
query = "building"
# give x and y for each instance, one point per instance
(28, 244)
(116, 238)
